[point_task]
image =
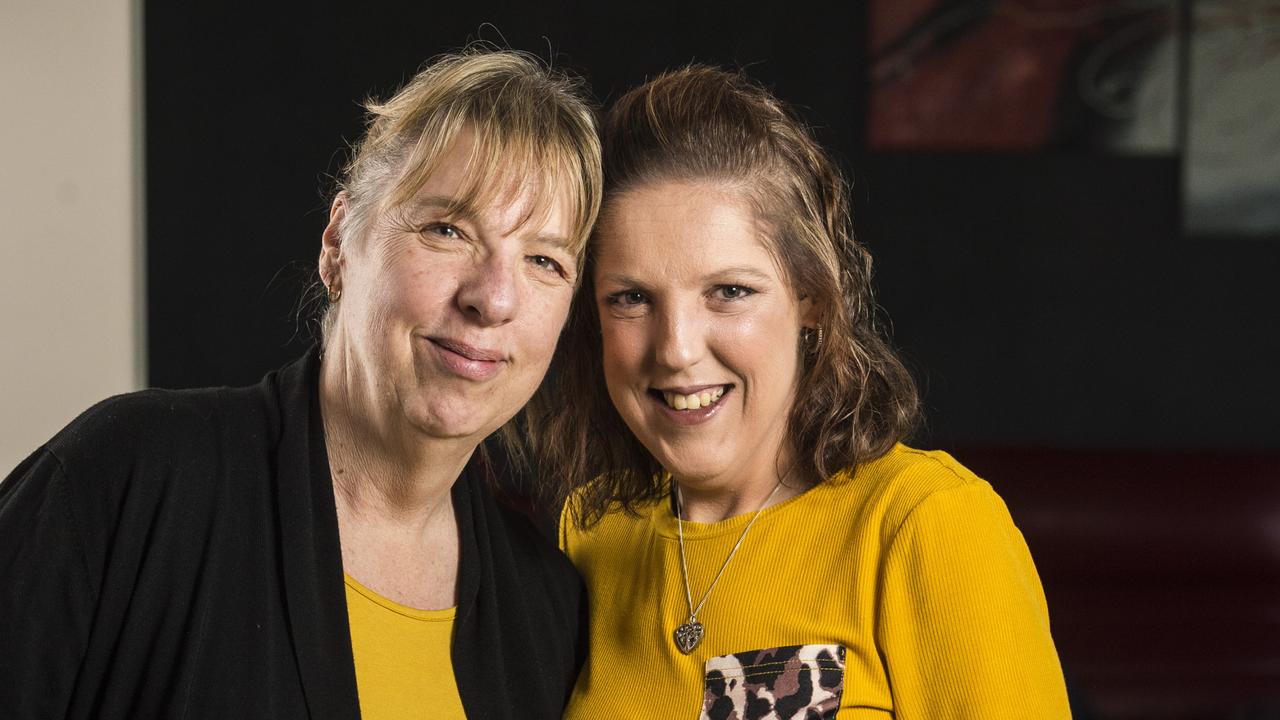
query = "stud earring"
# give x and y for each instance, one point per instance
(335, 294)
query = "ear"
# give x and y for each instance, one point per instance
(331, 240)
(810, 313)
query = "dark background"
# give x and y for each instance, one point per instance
(1042, 299)
(1049, 302)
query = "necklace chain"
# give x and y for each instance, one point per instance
(684, 565)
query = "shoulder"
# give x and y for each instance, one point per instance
(136, 422)
(935, 507)
(185, 424)
(957, 589)
(116, 465)
(611, 532)
(148, 422)
(913, 473)
(155, 437)
(907, 482)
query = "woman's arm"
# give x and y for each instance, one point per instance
(962, 621)
(46, 593)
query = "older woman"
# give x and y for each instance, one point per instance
(322, 545)
(755, 540)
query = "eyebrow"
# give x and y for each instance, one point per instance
(626, 280)
(560, 242)
(729, 272)
(438, 202)
(460, 211)
(741, 270)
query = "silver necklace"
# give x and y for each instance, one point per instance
(690, 632)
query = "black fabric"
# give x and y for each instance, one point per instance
(175, 554)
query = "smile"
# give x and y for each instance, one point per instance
(689, 405)
(694, 400)
(467, 361)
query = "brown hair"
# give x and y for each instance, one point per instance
(854, 399)
(531, 124)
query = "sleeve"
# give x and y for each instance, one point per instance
(46, 594)
(962, 619)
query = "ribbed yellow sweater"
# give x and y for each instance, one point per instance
(903, 590)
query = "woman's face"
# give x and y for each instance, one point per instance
(700, 332)
(447, 324)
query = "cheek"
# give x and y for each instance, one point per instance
(759, 347)
(547, 315)
(623, 348)
(742, 341)
(408, 291)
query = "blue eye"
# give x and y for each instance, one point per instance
(733, 292)
(444, 230)
(546, 263)
(627, 297)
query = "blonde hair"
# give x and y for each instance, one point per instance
(854, 400)
(533, 131)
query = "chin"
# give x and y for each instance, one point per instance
(679, 466)
(451, 421)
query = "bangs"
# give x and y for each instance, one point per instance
(514, 156)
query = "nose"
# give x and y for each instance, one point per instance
(679, 340)
(489, 295)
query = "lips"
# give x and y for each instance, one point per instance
(467, 361)
(689, 404)
(690, 389)
(469, 352)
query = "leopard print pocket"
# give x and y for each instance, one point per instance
(797, 682)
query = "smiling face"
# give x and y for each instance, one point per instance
(700, 333)
(448, 320)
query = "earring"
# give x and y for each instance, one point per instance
(812, 339)
(335, 294)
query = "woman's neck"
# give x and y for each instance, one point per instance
(381, 466)
(702, 503)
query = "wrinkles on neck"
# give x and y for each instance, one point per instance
(382, 467)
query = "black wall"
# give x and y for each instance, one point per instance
(1047, 300)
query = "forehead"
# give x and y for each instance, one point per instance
(680, 230)
(469, 181)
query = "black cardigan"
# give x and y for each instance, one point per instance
(175, 554)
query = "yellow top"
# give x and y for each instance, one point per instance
(903, 590)
(403, 665)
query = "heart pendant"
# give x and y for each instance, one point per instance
(687, 636)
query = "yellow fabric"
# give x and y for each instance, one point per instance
(403, 665)
(912, 564)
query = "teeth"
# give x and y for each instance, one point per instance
(692, 402)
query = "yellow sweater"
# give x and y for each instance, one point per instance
(903, 590)
(402, 656)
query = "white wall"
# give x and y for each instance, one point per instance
(71, 257)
